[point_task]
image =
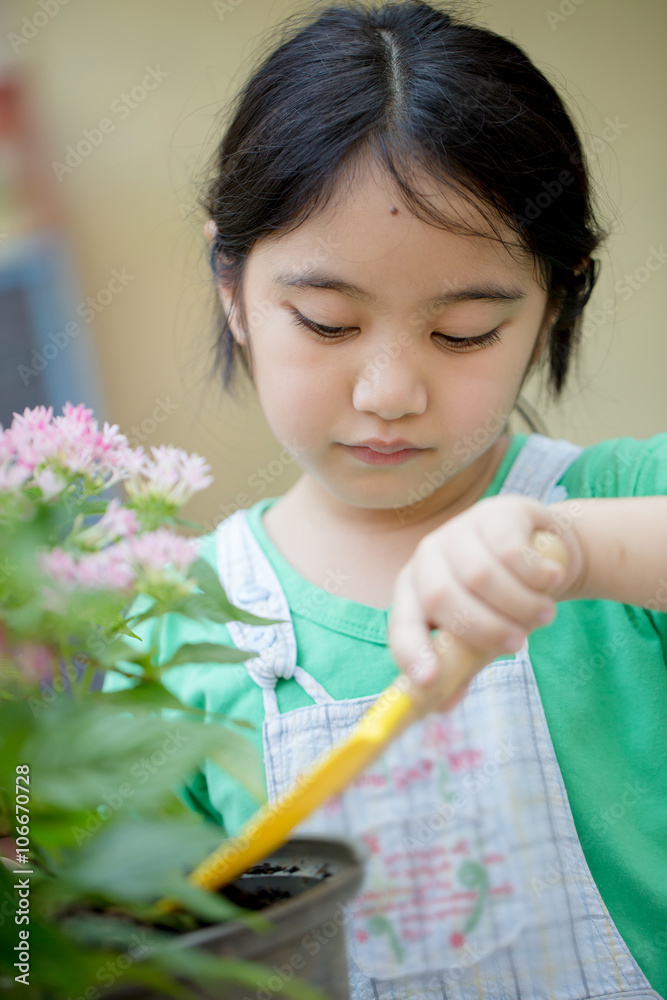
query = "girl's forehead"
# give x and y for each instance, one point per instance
(368, 222)
(357, 253)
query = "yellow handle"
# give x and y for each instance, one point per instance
(401, 704)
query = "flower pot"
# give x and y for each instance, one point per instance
(301, 889)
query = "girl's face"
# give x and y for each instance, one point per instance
(402, 296)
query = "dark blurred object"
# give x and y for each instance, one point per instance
(27, 192)
(8, 851)
(45, 355)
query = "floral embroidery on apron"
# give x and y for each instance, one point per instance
(476, 885)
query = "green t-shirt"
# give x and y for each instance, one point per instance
(601, 672)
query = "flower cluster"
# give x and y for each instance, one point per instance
(171, 476)
(41, 450)
(128, 547)
(120, 566)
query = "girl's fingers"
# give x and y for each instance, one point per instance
(520, 521)
(449, 604)
(441, 674)
(415, 614)
(478, 582)
(486, 577)
(408, 633)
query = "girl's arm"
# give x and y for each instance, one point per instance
(476, 577)
(624, 548)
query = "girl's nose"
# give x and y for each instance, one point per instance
(392, 387)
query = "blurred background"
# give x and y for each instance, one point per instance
(109, 113)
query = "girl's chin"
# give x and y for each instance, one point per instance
(377, 495)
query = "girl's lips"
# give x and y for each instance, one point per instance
(371, 457)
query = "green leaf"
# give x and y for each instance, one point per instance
(152, 612)
(209, 582)
(237, 756)
(200, 606)
(89, 506)
(145, 695)
(206, 967)
(93, 928)
(96, 756)
(143, 862)
(117, 650)
(207, 652)
(55, 828)
(62, 970)
(210, 904)
(123, 629)
(111, 760)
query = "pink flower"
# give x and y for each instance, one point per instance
(194, 475)
(171, 474)
(152, 551)
(117, 566)
(105, 570)
(116, 522)
(59, 564)
(33, 421)
(50, 483)
(13, 476)
(70, 444)
(33, 659)
(108, 569)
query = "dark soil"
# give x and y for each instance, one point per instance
(256, 889)
(257, 897)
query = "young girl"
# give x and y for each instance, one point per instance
(401, 229)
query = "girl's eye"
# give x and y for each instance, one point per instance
(325, 332)
(458, 343)
(461, 342)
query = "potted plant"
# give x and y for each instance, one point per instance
(96, 827)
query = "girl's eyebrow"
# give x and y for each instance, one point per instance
(487, 290)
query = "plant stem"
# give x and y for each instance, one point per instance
(66, 665)
(155, 644)
(88, 675)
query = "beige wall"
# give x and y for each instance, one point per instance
(127, 206)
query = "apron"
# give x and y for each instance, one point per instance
(476, 884)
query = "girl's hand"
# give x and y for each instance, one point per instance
(477, 577)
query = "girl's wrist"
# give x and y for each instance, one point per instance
(566, 516)
(622, 543)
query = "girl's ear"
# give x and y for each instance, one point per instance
(224, 292)
(551, 312)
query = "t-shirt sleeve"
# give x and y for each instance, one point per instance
(626, 467)
(195, 795)
(621, 467)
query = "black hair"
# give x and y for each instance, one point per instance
(413, 87)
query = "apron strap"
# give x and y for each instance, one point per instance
(251, 583)
(538, 467)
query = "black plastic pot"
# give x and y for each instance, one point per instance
(301, 889)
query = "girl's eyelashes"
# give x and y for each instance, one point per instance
(326, 332)
(336, 332)
(484, 338)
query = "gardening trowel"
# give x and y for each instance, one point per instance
(401, 704)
